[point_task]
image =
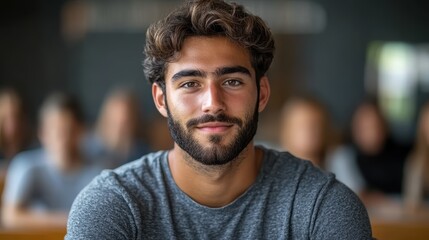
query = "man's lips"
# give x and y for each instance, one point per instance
(214, 127)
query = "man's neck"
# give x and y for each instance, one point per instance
(215, 186)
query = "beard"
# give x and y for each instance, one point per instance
(217, 154)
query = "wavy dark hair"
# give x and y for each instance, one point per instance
(206, 18)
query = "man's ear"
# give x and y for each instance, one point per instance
(159, 99)
(264, 93)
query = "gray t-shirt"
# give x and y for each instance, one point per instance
(34, 182)
(290, 199)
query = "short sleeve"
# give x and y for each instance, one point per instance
(101, 212)
(339, 214)
(20, 181)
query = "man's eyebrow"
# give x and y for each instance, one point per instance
(234, 69)
(187, 73)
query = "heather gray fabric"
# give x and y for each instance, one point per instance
(290, 199)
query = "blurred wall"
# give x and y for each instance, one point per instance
(104, 61)
(36, 59)
(335, 59)
(33, 57)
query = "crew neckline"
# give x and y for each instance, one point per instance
(186, 199)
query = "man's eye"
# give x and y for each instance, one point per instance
(189, 85)
(233, 83)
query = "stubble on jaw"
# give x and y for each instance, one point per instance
(226, 158)
(216, 149)
(215, 139)
(214, 153)
(215, 171)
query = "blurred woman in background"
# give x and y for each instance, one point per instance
(304, 130)
(372, 163)
(14, 128)
(118, 136)
(416, 179)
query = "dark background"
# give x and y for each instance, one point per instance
(36, 59)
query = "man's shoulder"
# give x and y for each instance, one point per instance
(289, 169)
(120, 188)
(284, 159)
(148, 168)
(286, 167)
(292, 174)
(317, 197)
(147, 162)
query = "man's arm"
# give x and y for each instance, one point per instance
(339, 214)
(100, 211)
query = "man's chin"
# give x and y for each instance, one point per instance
(216, 155)
(215, 140)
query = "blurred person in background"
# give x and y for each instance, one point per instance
(304, 128)
(372, 164)
(14, 129)
(42, 184)
(15, 132)
(416, 174)
(118, 134)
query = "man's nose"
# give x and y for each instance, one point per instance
(213, 101)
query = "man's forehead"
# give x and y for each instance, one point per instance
(209, 55)
(176, 73)
(218, 72)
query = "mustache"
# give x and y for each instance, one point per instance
(214, 118)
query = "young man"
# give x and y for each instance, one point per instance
(42, 184)
(207, 62)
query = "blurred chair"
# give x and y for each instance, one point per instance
(33, 234)
(394, 224)
(400, 231)
(41, 184)
(304, 128)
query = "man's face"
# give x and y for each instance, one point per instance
(211, 99)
